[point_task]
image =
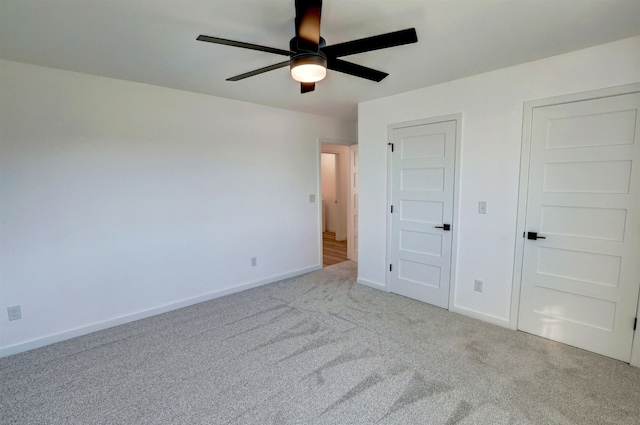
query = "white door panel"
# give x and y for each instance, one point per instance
(422, 199)
(580, 284)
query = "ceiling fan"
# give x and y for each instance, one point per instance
(310, 57)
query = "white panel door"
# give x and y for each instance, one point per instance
(422, 201)
(353, 206)
(580, 284)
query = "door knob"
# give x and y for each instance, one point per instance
(534, 236)
(444, 227)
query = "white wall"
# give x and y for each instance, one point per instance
(492, 115)
(120, 200)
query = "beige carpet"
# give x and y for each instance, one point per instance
(317, 349)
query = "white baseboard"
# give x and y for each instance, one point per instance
(372, 284)
(480, 316)
(85, 330)
(456, 309)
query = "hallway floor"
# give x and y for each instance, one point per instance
(333, 251)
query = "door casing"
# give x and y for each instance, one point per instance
(352, 206)
(456, 194)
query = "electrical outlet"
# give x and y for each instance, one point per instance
(477, 286)
(482, 207)
(14, 312)
(254, 261)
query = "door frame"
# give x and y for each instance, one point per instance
(319, 142)
(351, 230)
(456, 196)
(529, 107)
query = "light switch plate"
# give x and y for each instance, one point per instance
(477, 286)
(482, 207)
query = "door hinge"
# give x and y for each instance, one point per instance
(391, 209)
(390, 267)
(391, 144)
(635, 323)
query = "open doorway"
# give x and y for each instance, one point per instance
(334, 241)
(335, 184)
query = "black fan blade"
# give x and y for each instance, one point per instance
(376, 42)
(308, 24)
(233, 43)
(307, 87)
(259, 71)
(355, 69)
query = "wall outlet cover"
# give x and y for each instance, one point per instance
(14, 312)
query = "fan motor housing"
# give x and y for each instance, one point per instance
(294, 46)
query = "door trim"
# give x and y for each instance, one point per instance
(456, 196)
(351, 230)
(529, 106)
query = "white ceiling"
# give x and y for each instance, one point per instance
(154, 41)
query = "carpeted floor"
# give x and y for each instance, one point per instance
(316, 349)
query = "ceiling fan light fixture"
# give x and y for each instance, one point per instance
(308, 68)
